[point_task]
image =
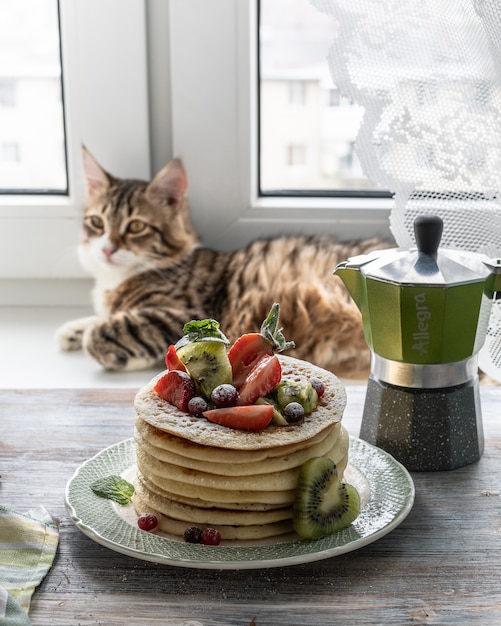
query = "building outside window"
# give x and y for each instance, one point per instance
(299, 104)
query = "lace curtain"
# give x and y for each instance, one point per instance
(428, 74)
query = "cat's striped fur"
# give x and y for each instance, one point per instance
(152, 276)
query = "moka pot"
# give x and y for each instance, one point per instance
(425, 313)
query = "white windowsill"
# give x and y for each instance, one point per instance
(31, 311)
(30, 357)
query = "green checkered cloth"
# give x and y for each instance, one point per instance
(28, 544)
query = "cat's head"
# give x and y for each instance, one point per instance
(131, 225)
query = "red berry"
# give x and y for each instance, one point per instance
(147, 521)
(318, 386)
(224, 395)
(245, 353)
(177, 388)
(261, 380)
(172, 361)
(211, 537)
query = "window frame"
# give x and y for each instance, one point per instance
(199, 104)
(97, 41)
(222, 169)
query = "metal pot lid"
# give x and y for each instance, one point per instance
(426, 264)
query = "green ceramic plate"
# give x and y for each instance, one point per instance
(387, 496)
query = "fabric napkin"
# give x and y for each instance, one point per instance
(28, 544)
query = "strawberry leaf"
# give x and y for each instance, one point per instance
(271, 332)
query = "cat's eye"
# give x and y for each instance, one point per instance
(136, 226)
(97, 222)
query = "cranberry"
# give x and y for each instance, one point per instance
(211, 537)
(147, 521)
(224, 395)
(318, 386)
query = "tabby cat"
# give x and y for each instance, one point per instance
(152, 275)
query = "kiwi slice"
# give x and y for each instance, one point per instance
(323, 504)
(302, 392)
(278, 419)
(207, 363)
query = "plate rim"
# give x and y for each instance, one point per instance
(204, 558)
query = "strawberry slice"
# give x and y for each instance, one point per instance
(177, 388)
(245, 353)
(255, 417)
(172, 361)
(261, 380)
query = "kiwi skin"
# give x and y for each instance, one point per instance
(323, 504)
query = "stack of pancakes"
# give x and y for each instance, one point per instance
(192, 472)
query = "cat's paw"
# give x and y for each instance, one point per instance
(69, 336)
(108, 343)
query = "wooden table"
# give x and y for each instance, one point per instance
(442, 565)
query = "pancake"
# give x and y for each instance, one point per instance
(205, 504)
(159, 413)
(193, 472)
(212, 516)
(242, 468)
(187, 490)
(191, 450)
(174, 519)
(281, 480)
(172, 526)
(212, 495)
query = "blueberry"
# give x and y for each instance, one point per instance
(197, 405)
(293, 412)
(193, 535)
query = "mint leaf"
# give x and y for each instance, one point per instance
(201, 330)
(113, 488)
(271, 332)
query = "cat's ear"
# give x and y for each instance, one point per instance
(169, 185)
(98, 180)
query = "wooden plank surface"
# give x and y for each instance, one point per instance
(442, 565)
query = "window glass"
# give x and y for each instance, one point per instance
(32, 140)
(307, 128)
